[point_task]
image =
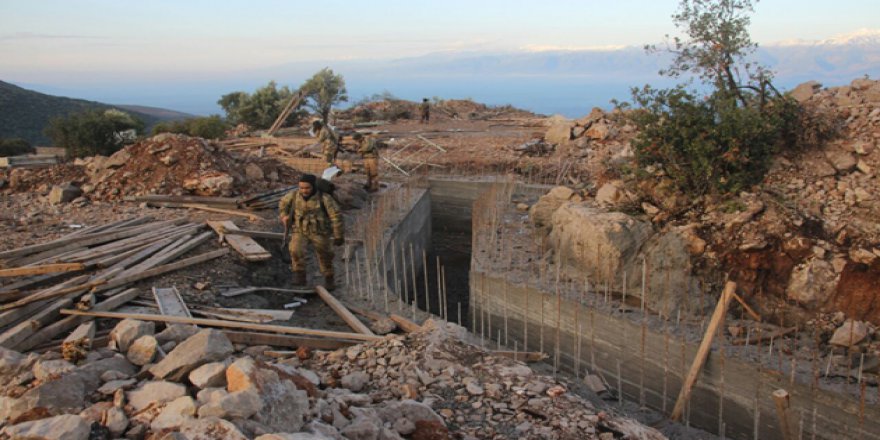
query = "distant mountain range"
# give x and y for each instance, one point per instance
(25, 113)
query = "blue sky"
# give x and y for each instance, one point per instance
(86, 45)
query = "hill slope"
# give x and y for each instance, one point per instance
(25, 113)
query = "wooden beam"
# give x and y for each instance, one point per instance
(257, 234)
(250, 216)
(50, 331)
(405, 324)
(14, 336)
(42, 269)
(252, 289)
(703, 351)
(343, 312)
(191, 261)
(244, 245)
(748, 309)
(43, 295)
(251, 338)
(226, 324)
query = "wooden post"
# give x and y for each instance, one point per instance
(703, 351)
(781, 399)
(343, 312)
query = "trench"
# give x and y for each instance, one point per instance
(644, 359)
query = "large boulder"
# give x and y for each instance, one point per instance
(129, 330)
(284, 406)
(64, 193)
(669, 284)
(598, 243)
(812, 283)
(559, 133)
(805, 91)
(541, 213)
(155, 392)
(204, 347)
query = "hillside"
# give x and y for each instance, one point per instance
(26, 112)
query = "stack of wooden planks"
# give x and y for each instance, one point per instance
(93, 267)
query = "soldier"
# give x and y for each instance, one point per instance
(368, 147)
(328, 139)
(425, 110)
(316, 218)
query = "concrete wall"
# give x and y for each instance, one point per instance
(651, 367)
(414, 229)
(452, 200)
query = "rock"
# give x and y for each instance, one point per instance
(204, 347)
(209, 375)
(355, 381)
(541, 213)
(64, 194)
(600, 131)
(254, 172)
(11, 361)
(864, 168)
(214, 183)
(805, 91)
(609, 195)
(849, 334)
(597, 242)
(176, 333)
(47, 370)
(239, 404)
(474, 389)
(862, 256)
(128, 330)
(113, 385)
(116, 421)
(143, 350)
(154, 392)
(362, 428)
(812, 283)
(175, 414)
(211, 428)
(118, 159)
(842, 161)
(408, 409)
(383, 326)
(56, 397)
(522, 207)
(240, 375)
(559, 133)
(63, 427)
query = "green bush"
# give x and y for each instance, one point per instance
(15, 147)
(210, 127)
(708, 144)
(93, 132)
(260, 109)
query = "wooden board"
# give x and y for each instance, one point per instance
(244, 245)
(42, 269)
(343, 312)
(170, 302)
(253, 338)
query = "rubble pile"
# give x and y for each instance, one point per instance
(427, 385)
(168, 164)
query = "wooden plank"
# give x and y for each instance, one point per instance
(42, 269)
(17, 334)
(244, 245)
(405, 324)
(225, 324)
(77, 345)
(252, 289)
(121, 281)
(170, 302)
(87, 240)
(251, 217)
(51, 331)
(244, 315)
(257, 234)
(50, 293)
(172, 251)
(748, 309)
(700, 358)
(343, 312)
(252, 338)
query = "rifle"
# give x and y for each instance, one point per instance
(285, 255)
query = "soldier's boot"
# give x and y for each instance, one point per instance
(329, 283)
(299, 278)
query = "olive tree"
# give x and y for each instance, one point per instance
(323, 90)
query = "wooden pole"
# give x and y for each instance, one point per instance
(225, 324)
(343, 312)
(703, 351)
(781, 399)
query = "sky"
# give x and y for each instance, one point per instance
(79, 45)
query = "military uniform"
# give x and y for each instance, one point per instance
(425, 109)
(317, 220)
(369, 150)
(329, 144)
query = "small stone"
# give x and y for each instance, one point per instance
(474, 389)
(849, 334)
(355, 381)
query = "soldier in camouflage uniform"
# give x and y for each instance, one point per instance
(317, 219)
(329, 141)
(425, 110)
(368, 147)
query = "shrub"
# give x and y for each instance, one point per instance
(93, 132)
(210, 127)
(15, 147)
(259, 109)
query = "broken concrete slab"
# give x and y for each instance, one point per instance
(204, 347)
